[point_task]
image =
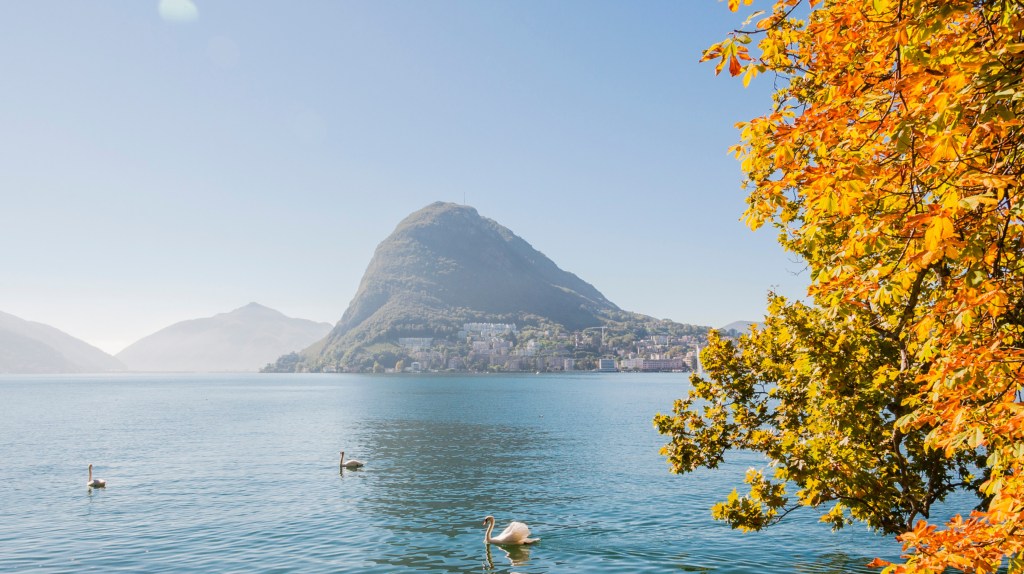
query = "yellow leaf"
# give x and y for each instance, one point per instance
(945, 147)
(830, 204)
(950, 198)
(976, 200)
(924, 327)
(940, 229)
(1016, 565)
(783, 155)
(749, 75)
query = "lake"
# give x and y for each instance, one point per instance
(239, 473)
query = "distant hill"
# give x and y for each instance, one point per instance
(30, 347)
(243, 340)
(444, 266)
(740, 327)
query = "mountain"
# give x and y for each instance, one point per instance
(442, 267)
(739, 327)
(243, 340)
(30, 347)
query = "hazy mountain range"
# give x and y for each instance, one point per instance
(740, 327)
(29, 347)
(442, 266)
(242, 340)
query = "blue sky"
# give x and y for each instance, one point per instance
(156, 168)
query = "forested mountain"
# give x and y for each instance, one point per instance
(444, 266)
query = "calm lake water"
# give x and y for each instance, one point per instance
(239, 473)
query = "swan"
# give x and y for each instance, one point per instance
(95, 482)
(350, 464)
(514, 533)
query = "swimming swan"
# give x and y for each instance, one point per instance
(350, 464)
(514, 533)
(95, 482)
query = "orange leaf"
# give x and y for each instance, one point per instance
(735, 68)
(878, 563)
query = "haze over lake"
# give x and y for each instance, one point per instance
(233, 473)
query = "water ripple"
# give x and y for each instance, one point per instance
(239, 474)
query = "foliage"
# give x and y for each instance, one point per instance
(819, 401)
(891, 163)
(284, 364)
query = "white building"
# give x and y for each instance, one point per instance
(649, 365)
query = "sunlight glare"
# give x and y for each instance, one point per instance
(178, 10)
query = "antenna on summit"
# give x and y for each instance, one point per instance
(463, 198)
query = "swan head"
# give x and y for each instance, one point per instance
(488, 519)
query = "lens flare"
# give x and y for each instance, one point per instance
(178, 10)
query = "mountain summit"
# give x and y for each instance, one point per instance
(446, 265)
(446, 258)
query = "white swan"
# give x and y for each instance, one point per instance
(514, 533)
(350, 464)
(95, 482)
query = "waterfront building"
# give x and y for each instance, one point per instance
(653, 365)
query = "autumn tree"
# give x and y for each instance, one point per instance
(891, 162)
(806, 392)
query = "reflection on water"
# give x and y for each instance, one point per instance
(575, 457)
(516, 555)
(438, 478)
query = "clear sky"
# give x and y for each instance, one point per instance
(162, 161)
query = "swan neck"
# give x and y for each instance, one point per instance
(90, 473)
(490, 527)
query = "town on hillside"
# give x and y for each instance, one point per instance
(504, 347)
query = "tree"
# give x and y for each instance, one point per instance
(805, 392)
(891, 162)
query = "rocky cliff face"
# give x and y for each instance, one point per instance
(445, 265)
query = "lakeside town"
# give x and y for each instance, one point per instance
(504, 347)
